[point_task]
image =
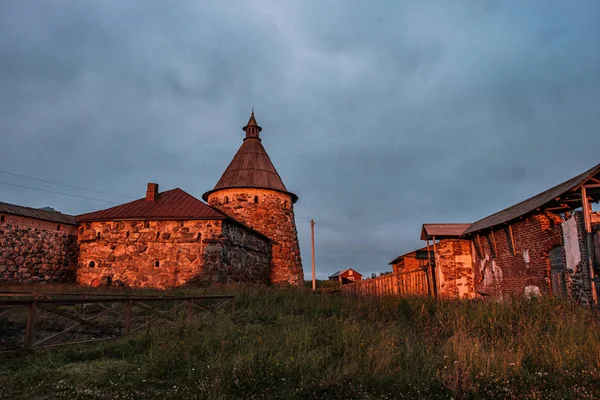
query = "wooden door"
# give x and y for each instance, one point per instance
(557, 272)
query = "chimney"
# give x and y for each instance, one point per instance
(152, 192)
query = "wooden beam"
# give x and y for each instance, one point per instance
(592, 186)
(494, 242)
(594, 179)
(512, 240)
(589, 242)
(480, 246)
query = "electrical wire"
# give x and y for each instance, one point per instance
(64, 184)
(60, 193)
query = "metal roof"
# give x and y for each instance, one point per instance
(44, 215)
(417, 254)
(533, 203)
(251, 167)
(443, 230)
(173, 204)
(338, 273)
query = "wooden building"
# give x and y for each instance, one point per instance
(346, 276)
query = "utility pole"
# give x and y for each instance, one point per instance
(312, 234)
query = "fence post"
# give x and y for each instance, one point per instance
(190, 310)
(127, 315)
(30, 326)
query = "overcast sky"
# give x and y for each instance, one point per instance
(380, 115)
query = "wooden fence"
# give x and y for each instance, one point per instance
(37, 319)
(413, 283)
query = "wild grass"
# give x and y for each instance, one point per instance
(293, 344)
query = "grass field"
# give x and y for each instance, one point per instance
(292, 344)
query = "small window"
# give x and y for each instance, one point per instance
(156, 264)
(157, 235)
(198, 237)
(226, 200)
(98, 235)
(92, 264)
(285, 204)
(2, 218)
(146, 224)
(255, 199)
(127, 235)
(81, 229)
(58, 227)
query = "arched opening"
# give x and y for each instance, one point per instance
(156, 264)
(58, 227)
(92, 264)
(98, 235)
(557, 272)
(226, 200)
(127, 235)
(255, 199)
(2, 218)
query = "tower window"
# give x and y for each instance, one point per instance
(126, 234)
(157, 235)
(2, 218)
(58, 227)
(92, 264)
(226, 200)
(256, 199)
(285, 204)
(97, 235)
(156, 264)
(146, 224)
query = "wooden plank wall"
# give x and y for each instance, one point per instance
(402, 284)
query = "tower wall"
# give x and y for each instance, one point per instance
(272, 214)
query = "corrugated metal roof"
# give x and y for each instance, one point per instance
(173, 204)
(533, 203)
(443, 230)
(52, 216)
(399, 258)
(251, 167)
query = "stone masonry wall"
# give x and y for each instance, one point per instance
(407, 264)
(501, 273)
(155, 254)
(239, 256)
(29, 255)
(272, 214)
(454, 269)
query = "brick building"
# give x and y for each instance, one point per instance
(36, 245)
(412, 261)
(251, 191)
(547, 244)
(168, 239)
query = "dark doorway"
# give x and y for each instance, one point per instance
(557, 272)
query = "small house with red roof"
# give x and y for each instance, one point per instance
(168, 239)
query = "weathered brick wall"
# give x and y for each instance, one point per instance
(29, 255)
(500, 273)
(238, 256)
(272, 214)
(24, 222)
(161, 254)
(579, 282)
(155, 254)
(454, 268)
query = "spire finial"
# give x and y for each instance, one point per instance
(252, 129)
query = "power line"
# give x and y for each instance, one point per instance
(64, 184)
(60, 193)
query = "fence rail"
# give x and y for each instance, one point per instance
(52, 319)
(411, 283)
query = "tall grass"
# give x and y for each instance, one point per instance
(294, 344)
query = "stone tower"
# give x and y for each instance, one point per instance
(252, 192)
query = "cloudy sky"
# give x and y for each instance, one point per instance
(380, 115)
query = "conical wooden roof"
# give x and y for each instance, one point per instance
(251, 166)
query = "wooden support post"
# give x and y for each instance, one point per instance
(430, 287)
(128, 314)
(190, 311)
(585, 205)
(312, 243)
(30, 326)
(438, 283)
(494, 242)
(512, 240)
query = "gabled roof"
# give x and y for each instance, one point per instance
(173, 204)
(44, 215)
(338, 273)
(251, 167)
(443, 230)
(533, 203)
(416, 254)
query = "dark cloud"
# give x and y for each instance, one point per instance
(379, 117)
